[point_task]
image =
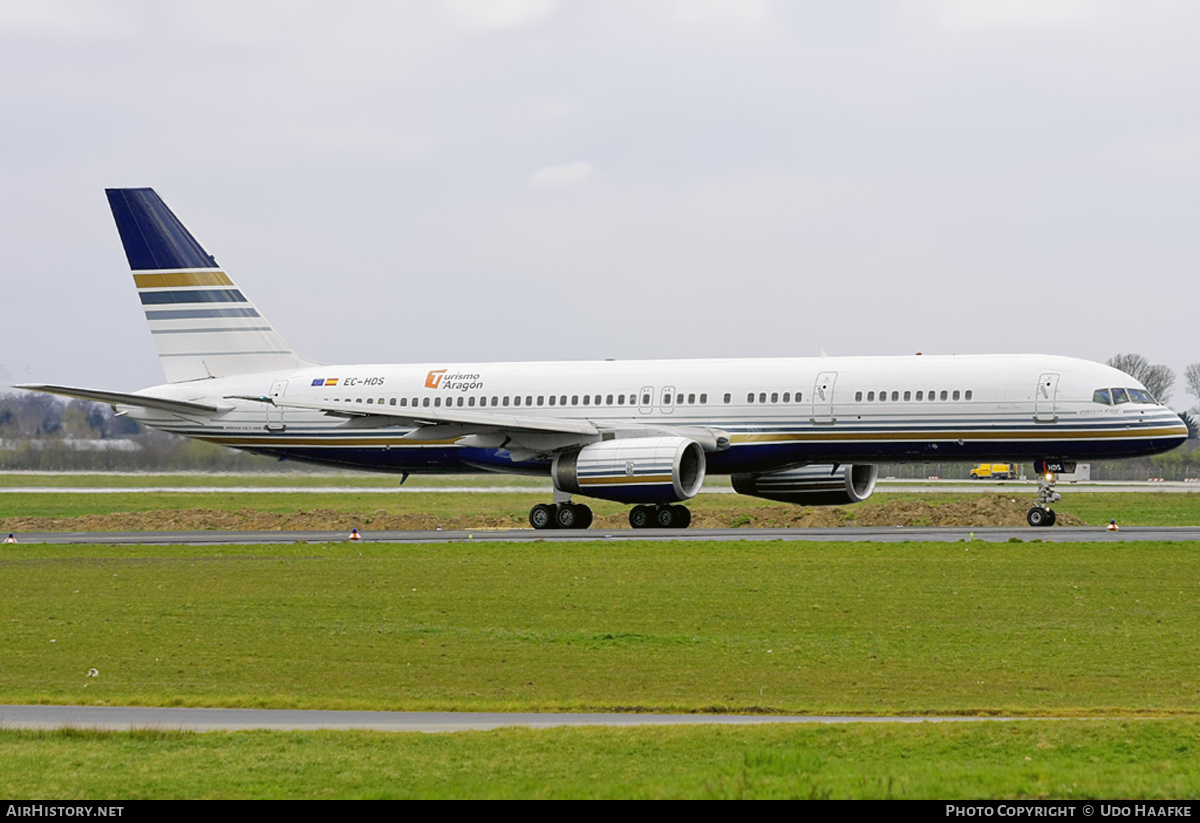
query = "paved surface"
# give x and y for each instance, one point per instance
(121, 718)
(1057, 534)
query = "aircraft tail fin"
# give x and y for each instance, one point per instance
(202, 324)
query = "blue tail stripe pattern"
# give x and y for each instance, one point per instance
(153, 237)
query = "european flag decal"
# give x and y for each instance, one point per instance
(320, 381)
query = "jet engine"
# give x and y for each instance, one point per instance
(811, 485)
(633, 470)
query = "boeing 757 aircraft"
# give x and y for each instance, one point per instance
(805, 431)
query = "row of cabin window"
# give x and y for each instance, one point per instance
(470, 402)
(680, 399)
(908, 395)
(762, 397)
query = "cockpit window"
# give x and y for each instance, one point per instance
(1119, 396)
(1139, 396)
(1102, 396)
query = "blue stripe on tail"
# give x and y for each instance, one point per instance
(153, 237)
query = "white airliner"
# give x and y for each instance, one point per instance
(806, 431)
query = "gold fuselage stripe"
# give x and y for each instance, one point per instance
(182, 278)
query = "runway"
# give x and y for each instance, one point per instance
(896, 534)
(125, 718)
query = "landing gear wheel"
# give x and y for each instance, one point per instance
(567, 516)
(541, 516)
(1039, 517)
(583, 516)
(664, 517)
(683, 516)
(639, 517)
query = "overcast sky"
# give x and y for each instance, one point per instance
(467, 180)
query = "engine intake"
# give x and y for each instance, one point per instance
(633, 470)
(811, 485)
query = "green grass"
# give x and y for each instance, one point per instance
(1030, 759)
(911, 628)
(1129, 509)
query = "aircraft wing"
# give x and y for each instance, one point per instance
(468, 420)
(487, 429)
(184, 407)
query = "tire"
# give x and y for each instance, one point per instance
(1039, 517)
(567, 516)
(639, 517)
(584, 519)
(664, 517)
(1053, 517)
(683, 516)
(541, 516)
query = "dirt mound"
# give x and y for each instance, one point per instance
(979, 511)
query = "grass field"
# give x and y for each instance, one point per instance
(18, 510)
(849, 628)
(1100, 631)
(1029, 759)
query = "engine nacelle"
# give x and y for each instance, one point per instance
(811, 485)
(633, 470)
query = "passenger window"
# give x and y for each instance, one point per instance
(944, 394)
(787, 397)
(608, 400)
(870, 396)
(798, 397)
(393, 402)
(506, 399)
(858, 396)
(586, 399)
(762, 397)
(541, 399)
(516, 400)
(552, 399)
(574, 400)
(920, 395)
(437, 401)
(358, 400)
(703, 399)
(728, 397)
(370, 400)
(895, 396)
(956, 394)
(882, 396)
(691, 399)
(620, 400)
(471, 402)
(750, 397)
(774, 397)
(968, 394)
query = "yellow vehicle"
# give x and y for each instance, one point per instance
(995, 471)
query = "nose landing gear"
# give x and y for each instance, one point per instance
(1041, 515)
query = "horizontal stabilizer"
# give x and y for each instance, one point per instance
(115, 398)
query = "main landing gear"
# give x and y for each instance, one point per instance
(560, 516)
(660, 517)
(569, 515)
(1041, 514)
